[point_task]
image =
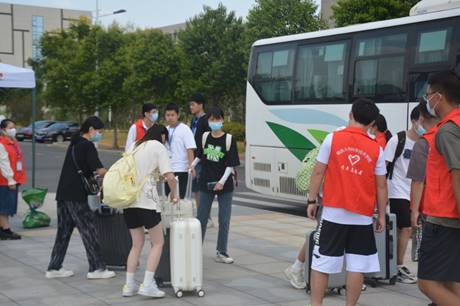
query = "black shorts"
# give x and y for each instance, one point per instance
(140, 217)
(439, 253)
(335, 242)
(401, 208)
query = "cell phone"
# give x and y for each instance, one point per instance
(211, 185)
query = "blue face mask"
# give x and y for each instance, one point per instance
(420, 130)
(154, 117)
(215, 126)
(96, 137)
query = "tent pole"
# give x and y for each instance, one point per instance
(34, 114)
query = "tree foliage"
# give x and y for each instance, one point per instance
(270, 18)
(347, 12)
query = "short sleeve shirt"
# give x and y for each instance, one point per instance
(448, 144)
(70, 186)
(215, 159)
(152, 156)
(180, 140)
(417, 165)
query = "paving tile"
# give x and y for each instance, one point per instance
(67, 300)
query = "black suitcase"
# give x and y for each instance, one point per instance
(114, 237)
(163, 272)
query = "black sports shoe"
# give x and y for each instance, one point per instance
(7, 234)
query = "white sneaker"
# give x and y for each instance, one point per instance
(59, 273)
(130, 290)
(296, 278)
(405, 276)
(224, 258)
(151, 291)
(100, 274)
(210, 223)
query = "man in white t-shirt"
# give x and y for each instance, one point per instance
(397, 155)
(181, 145)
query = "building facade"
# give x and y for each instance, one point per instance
(22, 26)
(173, 30)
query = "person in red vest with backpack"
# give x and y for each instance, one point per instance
(12, 175)
(352, 166)
(140, 127)
(438, 267)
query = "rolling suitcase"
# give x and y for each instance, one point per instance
(186, 256)
(386, 242)
(336, 282)
(114, 237)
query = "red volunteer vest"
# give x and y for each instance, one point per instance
(16, 159)
(350, 179)
(438, 195)
(140, 130)
(381, 140)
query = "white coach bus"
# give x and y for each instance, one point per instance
(300, 87)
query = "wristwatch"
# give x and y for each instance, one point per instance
(309, 202)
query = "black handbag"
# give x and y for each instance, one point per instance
(89, 183)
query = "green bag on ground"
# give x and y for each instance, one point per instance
(35, 218)
(35, 197)
(302, 179)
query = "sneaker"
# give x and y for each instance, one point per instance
(100, 274)
(59, 273)
(8, 234)
(210, 223)
(151, 291)
(296, 278)
(405, 276)
(130, 290)
(224, 258)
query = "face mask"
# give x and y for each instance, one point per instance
(96, 137)
(430, 109)
(420, 130)
(154, 117)
(370, 133)
(11, 132)
(215, 126)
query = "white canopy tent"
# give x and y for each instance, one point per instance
(17, 77)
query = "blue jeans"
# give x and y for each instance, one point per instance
(225, 212)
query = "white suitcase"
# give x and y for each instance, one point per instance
(186, 256)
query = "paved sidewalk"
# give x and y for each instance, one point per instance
(263, 244)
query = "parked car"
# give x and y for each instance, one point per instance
(26, 132)
(57, 132)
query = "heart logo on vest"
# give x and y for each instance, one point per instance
(354, 159)
(1, 76)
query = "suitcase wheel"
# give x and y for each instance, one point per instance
(200, 293)
(179, 294)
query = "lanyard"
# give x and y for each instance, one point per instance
(171, 135)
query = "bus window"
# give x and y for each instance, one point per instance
(273, 76)
(379, 67)
(320, 71)
(433, 46)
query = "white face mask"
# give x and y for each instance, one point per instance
(11, 132)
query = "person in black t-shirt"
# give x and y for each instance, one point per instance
(199, 126)
(72, 203)
(218, 156)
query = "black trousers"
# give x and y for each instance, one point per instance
(71, 215)
(183, 179)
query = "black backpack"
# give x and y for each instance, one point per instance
(399, 150)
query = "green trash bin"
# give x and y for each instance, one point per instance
(35, 197)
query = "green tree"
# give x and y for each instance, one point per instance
(347, 12)
(270, 18)
(213, 58)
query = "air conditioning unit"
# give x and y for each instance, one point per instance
(431, 6)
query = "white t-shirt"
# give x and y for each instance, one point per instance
(340, 215)
(132, 133)
(180, 140)
(399, 185)
(151, 157)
